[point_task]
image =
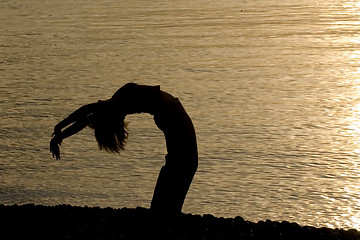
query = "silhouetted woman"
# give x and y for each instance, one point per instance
(107, 119)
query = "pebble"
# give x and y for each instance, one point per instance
(70, 222)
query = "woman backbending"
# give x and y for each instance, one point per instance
(107, 119)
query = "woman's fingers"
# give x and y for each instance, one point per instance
(54, 149)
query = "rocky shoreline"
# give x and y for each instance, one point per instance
(69, 222)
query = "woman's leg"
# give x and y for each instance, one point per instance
(172, 186)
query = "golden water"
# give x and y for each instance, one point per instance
(273, 88)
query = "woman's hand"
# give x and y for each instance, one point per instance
(55, 147)
(57, 130)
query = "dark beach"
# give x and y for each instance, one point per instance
(69, 222)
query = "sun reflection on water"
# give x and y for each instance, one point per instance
(349, 177)
(353, 6)
(353, 128)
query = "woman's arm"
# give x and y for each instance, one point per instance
(81, 113)
(73, 129)
(80, 119)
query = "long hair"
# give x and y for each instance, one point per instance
(109, 127)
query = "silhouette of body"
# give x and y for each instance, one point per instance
(107, 118)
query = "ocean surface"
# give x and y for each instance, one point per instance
(273, 89)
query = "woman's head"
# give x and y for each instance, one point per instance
(109, 127)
